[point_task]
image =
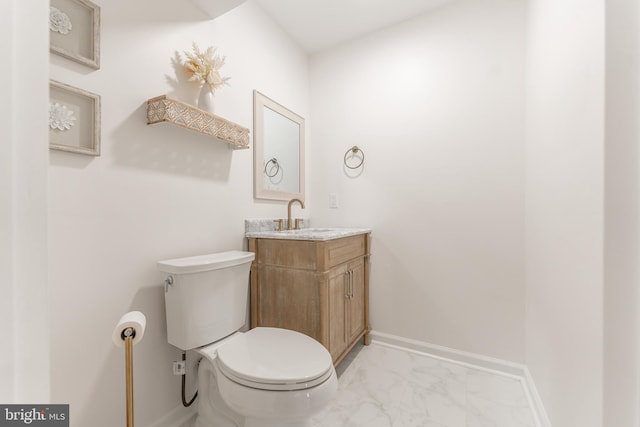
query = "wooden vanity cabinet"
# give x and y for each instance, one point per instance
(317, 287)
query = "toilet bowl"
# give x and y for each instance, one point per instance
(270, 377)
(265, 377)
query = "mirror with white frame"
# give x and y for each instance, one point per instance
(278, 150)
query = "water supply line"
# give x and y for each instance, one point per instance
(184, 381)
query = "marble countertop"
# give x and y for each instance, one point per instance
(325, 233)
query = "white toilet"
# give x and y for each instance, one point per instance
(265, 377)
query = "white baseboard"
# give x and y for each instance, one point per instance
(463, 357)
(535, 401)
(477, 361)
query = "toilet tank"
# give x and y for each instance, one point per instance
(205, 297)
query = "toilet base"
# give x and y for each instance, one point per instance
(213, 411)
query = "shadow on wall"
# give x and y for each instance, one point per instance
(152, 358)
(161, 148)
(166, 148)
(155, 357)
(69, 160)
(143, 11)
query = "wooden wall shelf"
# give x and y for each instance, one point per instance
(170, 110)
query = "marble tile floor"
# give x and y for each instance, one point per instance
(383, 386)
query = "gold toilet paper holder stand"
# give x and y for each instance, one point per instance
(127, 336)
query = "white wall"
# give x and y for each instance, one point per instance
(621, 296)
(156, 192)
(442, 188)
(436, 104)
(24, 352)
(564, 207)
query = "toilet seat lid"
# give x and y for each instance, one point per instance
(275, 359)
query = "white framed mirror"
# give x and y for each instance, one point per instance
(278, 150)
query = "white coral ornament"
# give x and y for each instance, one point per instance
(60, 117)
(59, 21)
(204, 67)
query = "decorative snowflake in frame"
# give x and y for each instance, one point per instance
(60, 117)
(59, 21)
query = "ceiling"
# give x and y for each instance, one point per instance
(319, 24)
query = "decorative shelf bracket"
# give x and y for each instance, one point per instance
(166, 109)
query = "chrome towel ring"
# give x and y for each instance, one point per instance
(354, 153)
(269, 170)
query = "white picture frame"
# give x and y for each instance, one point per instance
(74, 30)
(74, 119)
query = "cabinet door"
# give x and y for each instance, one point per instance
(338, 333)
(289, 298)
(356, 308)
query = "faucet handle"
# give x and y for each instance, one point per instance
(298, 221)
(279, 223)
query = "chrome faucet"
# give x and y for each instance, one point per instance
(289, 222)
